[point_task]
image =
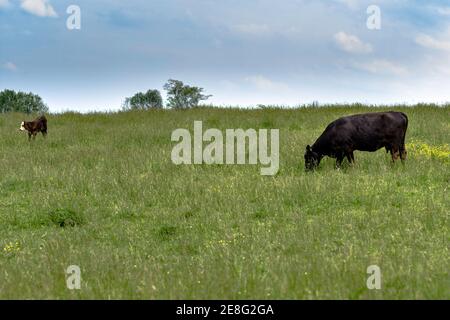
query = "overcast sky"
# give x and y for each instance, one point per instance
(242, 52)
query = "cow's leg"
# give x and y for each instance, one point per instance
(29, 136)
(403, 153)
(350, 157)
(402, 148)
(395, 154)
(339, 159)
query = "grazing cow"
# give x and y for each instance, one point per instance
(34, 127)
(362, 132)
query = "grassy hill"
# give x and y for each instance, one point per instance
(102, 193)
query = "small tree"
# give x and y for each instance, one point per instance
(181, 96)
(142, 101)
(11, 101)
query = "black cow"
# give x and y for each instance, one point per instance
(362, 132)
(34, 127)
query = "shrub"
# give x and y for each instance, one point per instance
(181, 96)
(143, 101)
(66, 218)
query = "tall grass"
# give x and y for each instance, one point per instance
(102, 193)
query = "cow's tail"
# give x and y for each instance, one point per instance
(406, 127)
(402, 147)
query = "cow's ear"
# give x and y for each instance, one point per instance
(308, 148)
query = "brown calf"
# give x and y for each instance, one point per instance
(34, 127)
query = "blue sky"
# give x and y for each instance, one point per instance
(242, 52)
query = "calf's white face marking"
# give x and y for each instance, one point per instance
(22, 127)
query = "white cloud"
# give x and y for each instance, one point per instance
(41, 8)
(352, 4)
(351, 43)
(10, 66)
(382, 67)
(429, 42)
(263, 83)
(4, 3)
(445, 11)
(252, 29)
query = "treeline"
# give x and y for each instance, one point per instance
(12, 101)
(179, 96)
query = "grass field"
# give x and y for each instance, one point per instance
(102, 193)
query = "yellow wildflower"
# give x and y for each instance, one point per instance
(441, 152)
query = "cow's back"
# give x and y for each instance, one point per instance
(373, 131)
(364, 132)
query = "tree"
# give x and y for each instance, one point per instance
(142, 101)
(11, 101)
(181, 96)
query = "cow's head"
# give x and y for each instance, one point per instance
(312, 159)
(22, 126)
